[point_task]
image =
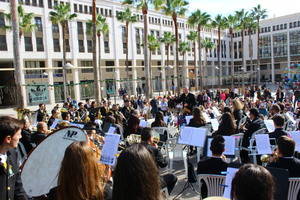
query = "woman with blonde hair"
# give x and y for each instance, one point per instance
(238, 112)
(80, 176)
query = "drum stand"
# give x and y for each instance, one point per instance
(190, 179)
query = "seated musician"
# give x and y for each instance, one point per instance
(198, 119)
(284, 156)
(159, 120)
(227, 125)
(168, 180)
(10, 181)
(81, 113)
(80, 165)
(278, 123)
(54, 115)
(41, 134)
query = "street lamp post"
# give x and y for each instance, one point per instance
(65, 67)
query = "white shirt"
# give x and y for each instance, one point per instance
(3, 158)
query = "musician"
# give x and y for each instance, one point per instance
(72, 112)
(126, 109)
(226, 126)
(168, 180)
(187, 99)
(104, 109)
(66, 116)
(26, 136)
(10, 181)
(54, 115)
(159, 120)
(278, 123)
(41, 134)
(274, 110)
(93, 111)
(154, 106)
(286, 160)
(238, 112)
(81, 113)
(253, 125)
(41, 113)
(198, 120)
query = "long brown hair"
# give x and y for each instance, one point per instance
(136, 176)
(198, 116)
(80, 177)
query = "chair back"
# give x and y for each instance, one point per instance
(260, 131)
(294, 186)
(214, 183)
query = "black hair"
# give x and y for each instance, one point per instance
(146, 134)
(286, 146)
(9, 126)
(278, 120)
(217, 145)
(254, 111)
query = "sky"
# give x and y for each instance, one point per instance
(275, 8)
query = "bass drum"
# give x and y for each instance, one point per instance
(40, 171)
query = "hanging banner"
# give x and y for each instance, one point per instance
(37, 94)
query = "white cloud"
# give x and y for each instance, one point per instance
(225, 7)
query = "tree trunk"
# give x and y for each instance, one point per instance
(99, 62)
(243, 63)
(176, 52)
(146, 61)
(251, 55)
(219, 57)
(195, 68)
(200, 63)
(64, 61)
(20, 90)
(232, 58)
(258, 58)
(168, 68)
(127, 64)
(150, 72)
(95, 66)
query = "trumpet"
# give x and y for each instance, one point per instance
(269, 158)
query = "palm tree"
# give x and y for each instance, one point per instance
(153, 45)
(144, 5)
(168, 39)
(220, 23)
(207, 44)
(242, 16)
(250, 26)
(232, 24)
(193, 36)
(102, 28)
(175, 9)
(200, 20)
(183, 48)
(61, 16)
(258, 13)
(128, 18)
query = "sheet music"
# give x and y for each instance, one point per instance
(111, 129)
(143, 123)
(290, 117)
(110, 149)
(188, 119)
(214, 124)
(295, 135)
(263, 145)
(54, 124)
(229, 146)
(270, 125)
(166, 119)
(228, 180)
(192, 136)
(216, 112)
(206, 117)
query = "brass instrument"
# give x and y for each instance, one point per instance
(265, 159)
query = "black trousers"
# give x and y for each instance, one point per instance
(169, 181)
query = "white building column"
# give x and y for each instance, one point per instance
(163, 59)
(288, 55)
(76, 81)
(186, 72)
(50, 81)
(134, 77)
(272, 61)
(117, 75)
(116, 42)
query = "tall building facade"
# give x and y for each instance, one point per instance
(41, 53)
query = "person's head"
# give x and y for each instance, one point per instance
(136, 175)
(159, 116)
(254, 113)
(65, 116)
(146, 135)
(185, 90)
(80, 105)
(227, 109)
(55, 113)
(275, 109)
(133, 123)
(63, 124)
(126, 103)
(217, 145)
(278, 121)
(281, 106)
(80, 167)
(10, 132)
(135, 113)
(286, 146)
(66, 105)
(93, 104)
(198, 116)
(87, 101)
(252, 182)
(42, 106)
(42, 127)
(237, 104)
(227, 121)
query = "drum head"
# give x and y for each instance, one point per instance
(40, 171)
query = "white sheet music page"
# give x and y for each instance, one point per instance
(270, 125)
(228, 180)
(192, 136)
(229, 145)
(263, 145)
(188, 119)
(296, 137)
(214, 124)
(110, 149)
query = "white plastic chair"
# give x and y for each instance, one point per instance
(214, 183)
(178, 154)
(165, 192)
(294, 187)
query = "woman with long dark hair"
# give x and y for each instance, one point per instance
(159, 120)
(226, 126)
(136, 176)
(198, 119)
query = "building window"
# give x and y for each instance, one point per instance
(90, 46)
(90, 10)
(75, 7)
(39, 44)
(109, 63)
(49, 3)
(124, 39)
(2, 20)
(88, 64)
(138, 41)
(80, 8)
(56, 45)
(27, 2)
(85, 9)
(38, 23)
(80, 28)
(55, 28)
(80, 45)
(34, 2)
(106, 43)
(3, 45)
(28, 44)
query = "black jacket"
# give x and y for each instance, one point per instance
(212, 166)
(277, 133)
(251, 127)
(38, 137)
(188, 99)
(10, 181)
(291, 164)
(158, 157)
